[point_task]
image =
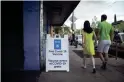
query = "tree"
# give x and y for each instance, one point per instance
(57, 29)
(66, 30)
(94, 22)
(119, 25)
(62, 29)
(78, 31)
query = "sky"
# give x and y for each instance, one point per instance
(87, 9)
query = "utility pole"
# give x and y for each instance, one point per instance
(115, 19)
(73, 19)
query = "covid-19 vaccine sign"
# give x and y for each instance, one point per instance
(57, 54)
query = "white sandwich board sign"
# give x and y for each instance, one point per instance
(57, 54)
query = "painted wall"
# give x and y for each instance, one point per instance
(31, 22)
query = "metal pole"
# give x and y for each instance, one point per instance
(72, 21)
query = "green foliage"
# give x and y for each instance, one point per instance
(78, 31)
(66, 30)
(57, 29)
(120, 26)
(61, 29)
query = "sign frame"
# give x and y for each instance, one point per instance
(57, 59)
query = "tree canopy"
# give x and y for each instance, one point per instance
(119, 26)
(62, 30)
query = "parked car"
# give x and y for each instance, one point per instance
(79, 39)
(121, 35)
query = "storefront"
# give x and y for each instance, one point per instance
(25, 25)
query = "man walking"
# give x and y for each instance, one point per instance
(76, 42)
(73, 38)
(105, 33)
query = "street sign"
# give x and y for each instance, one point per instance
(74, 18)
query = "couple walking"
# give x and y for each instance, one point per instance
(104, 36)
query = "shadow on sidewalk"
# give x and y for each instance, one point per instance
(20, 76)
(119, 68)
(80, 54)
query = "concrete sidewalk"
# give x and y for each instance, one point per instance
(114, 73)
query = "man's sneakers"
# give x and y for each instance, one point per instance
(94, 70)
(104, 65)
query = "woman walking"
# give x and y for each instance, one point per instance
(88, 44)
